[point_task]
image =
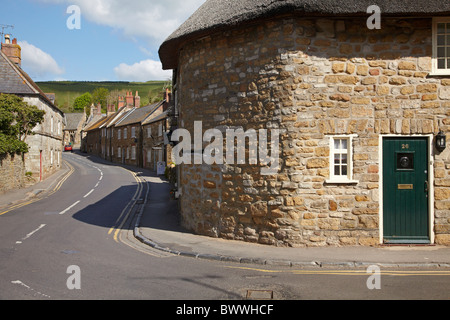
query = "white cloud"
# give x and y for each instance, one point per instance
(152, 20)
(145, 70)
(37, 62)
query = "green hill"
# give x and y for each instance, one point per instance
(67, 91)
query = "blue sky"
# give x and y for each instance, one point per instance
(118, 40)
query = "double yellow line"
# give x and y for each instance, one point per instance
(54, 190)
(387, 272)
(118, 225)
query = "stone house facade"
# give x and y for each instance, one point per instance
(357, 109)
(45, 153)
(155, 147)
(75, 123)
(123, 136)
(92, 134)
(128, 136)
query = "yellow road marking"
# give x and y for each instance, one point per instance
(399, 273)
(54, 190)
(129, 207)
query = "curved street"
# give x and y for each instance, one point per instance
(76, 243)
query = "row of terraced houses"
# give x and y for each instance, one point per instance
(131, 135)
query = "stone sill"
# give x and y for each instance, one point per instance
(438, 75)
(341, 181)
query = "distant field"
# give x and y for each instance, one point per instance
(67, 91)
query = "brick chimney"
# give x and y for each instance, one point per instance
(121, 103)
(111, 110)
(12, 50)
(137, 100)
(166, 99)
(129, 99)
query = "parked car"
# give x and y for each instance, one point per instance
(68, 148)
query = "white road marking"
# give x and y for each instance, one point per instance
(31, 233)
(70, 208)
(20, 283)
(89, 193)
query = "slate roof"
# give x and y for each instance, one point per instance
(139, 114)
(215, 15)
(97, 124)
(13, 80)
(160, 117)
(73, 120)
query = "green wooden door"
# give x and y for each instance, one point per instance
(405, 190)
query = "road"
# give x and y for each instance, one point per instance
(86, 224)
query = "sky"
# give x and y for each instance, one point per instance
(93, 40)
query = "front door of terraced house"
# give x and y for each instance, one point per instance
(405, 190)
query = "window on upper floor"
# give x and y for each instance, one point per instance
(133, 132)
(441, 46)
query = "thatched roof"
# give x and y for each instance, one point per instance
(215, 15)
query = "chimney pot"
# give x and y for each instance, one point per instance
(12, 50)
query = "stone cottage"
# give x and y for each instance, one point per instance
(128, 136)
(358, 110)
(75, 123)
(45, 153)
(156, 148)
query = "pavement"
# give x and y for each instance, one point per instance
(158, 225)
(20, 197)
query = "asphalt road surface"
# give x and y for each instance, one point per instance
(77, 244)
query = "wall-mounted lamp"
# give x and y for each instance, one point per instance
(441, 141)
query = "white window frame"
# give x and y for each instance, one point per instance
(125, 133)
(133, 132)
(133, 153)
(119, 134)
(149, 132)
(160, 130)
(149, 157)
(119, 152)
(339, 178)
(435, 70)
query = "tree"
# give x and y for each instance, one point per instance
(83, 101)
(17, 121)
(100, 95)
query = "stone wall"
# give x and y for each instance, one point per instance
(310, 78)
(127, 143)
(152, 145)
(45, 153)
(12, 172)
